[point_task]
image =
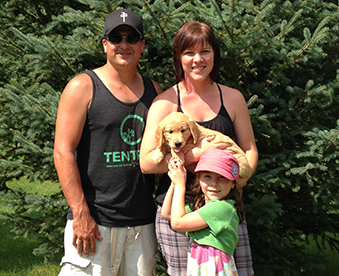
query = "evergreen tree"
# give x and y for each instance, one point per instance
(282, 55)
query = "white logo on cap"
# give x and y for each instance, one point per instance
(234, 169)
(123, 15)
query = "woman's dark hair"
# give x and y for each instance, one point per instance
(198, 198)
(190, 34)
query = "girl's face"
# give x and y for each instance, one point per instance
(197, 61)
(215, 186)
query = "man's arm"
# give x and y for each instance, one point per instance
(71, 117)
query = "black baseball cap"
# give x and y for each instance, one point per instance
(123, 17)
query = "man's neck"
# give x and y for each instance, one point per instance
(127, 86)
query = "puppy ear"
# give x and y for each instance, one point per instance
(194, 130)
(159, 137)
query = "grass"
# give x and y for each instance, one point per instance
(331, 258)
(16, 258)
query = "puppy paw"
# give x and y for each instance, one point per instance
(157, 156)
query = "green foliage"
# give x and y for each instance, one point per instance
(282, 55)
(46, 188)
(17, 258)
(40, 216)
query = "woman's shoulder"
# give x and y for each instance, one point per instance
(167, 99)
(231, 93)
(164, 103)
(168, 94)
(233, 100)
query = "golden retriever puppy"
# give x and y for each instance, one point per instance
(178, 133)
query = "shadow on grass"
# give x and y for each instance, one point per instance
(329, 258)
(17, 257)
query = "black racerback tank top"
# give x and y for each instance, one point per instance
(221, 122)
(117, 193)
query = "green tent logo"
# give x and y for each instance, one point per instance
(128, 129)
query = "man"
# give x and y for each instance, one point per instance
(100, 122)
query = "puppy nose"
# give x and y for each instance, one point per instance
(177, 144)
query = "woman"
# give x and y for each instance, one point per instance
(196, 58)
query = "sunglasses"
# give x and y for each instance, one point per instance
(117, 38)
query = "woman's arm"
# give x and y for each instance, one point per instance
(238, 110)
(194, 154)
(164, 104)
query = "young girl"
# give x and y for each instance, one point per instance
(211, 220)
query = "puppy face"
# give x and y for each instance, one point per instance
(176, 134)
(175, 131)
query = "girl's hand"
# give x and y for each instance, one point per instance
(177, 172)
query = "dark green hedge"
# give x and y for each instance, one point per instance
(283, 57)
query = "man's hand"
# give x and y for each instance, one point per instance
(85, 232)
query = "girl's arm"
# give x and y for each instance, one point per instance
(180, 220)
(166, 206)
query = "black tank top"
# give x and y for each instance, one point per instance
(117, 193)
(221, 122)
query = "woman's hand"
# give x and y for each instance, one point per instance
(205, 144)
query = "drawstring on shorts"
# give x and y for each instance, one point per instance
(114, 243)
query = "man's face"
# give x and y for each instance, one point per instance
(123, 53)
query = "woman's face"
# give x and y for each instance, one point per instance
(197, 61)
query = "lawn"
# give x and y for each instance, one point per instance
(16, 258)
(331, 258)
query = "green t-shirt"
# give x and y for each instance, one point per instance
(222, 230)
